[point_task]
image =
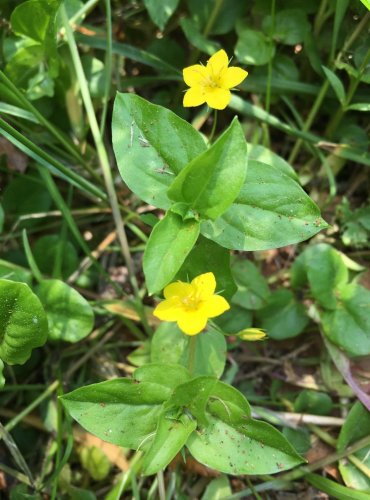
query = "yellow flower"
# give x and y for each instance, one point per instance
(191, 304)
(252, 334)
(212, 83)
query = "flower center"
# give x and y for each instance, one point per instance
(191, 302)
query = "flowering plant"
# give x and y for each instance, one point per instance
(227, 195)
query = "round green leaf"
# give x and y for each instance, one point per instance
(45, 252)
(290, 26)
(318, 403)
(348, 326)
(23, 323)
(70, 316)
(253, 47)
(282, 316)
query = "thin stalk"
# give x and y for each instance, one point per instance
(161, 487)
(30, 259)
(102, 153)
(214, 125)
(192, 350)
(36, 402)
(320, 17)
(269, 67)
(84, 10)
(108, 67)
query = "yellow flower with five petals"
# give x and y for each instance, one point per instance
(212, 83)
(191, 304)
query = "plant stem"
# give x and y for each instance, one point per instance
(192, 350)
(108, 67)
(214, 125)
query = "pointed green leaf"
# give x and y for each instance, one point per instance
(170, 436)
(212, 181)
(70, 316)
(151, 144)
(336, 84)
(168, 246)
(161, 10)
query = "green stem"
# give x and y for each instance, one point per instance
(214, 125)
(108, 67)
(30, 259)
(104, 161)
(269, 74)
(15, 421)
(320, 18)
(192, 350)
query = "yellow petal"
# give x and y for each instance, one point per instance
(194, 97)
(192, 322)
(205, 285)
(177, 289)
(169, 310)
(215, 306)
(232, 77)
(218, 62)
(194, 75)
(218, 98)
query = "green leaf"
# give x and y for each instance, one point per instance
(253, 47)
(42, 29)
(218, 489)
(253, 289)
(161, 10)
(356, 427)
(290, 26)
(359, 106)
(207, 256)
(23, 323)
(70, 316)
(168, 246)
(2, 378)
(228, 404)
(196, 37)
(24, 195)
(12, 272)
(271, 211)
(265, 155)
(169, 375)
(283, 317)
(323, 267)
(348, 326)
(151, 145)
(170, 345)
(212, 181)
(223, 22)
(250, 448)
(45, 252)
(193, 395)
(170, 436)
(40, 12)
(318, 403)
(120, 411)
(298, 438)
(336, 84)
(334, 489)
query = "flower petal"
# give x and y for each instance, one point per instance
(194, 75)
(194, 97)
(218, 62)
(169, 310)
(205, 285)
(192, 322)
(215, 306)
(177, 289)
(232, 77)
(218, 98)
